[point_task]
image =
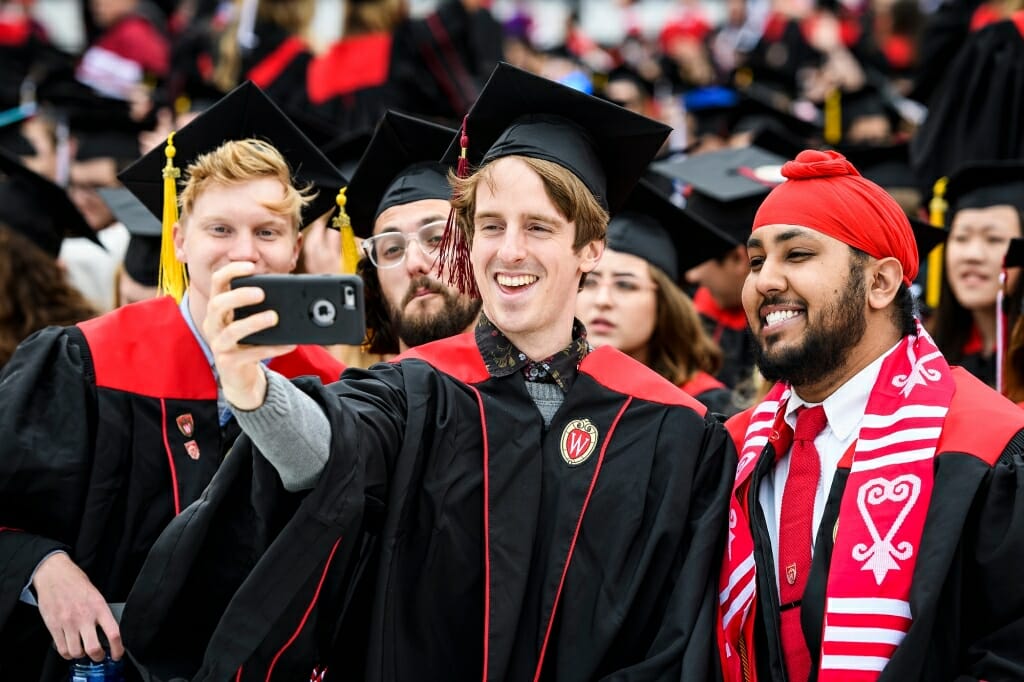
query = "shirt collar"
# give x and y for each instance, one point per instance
(503, 358)
(845, 408)
(187, 314)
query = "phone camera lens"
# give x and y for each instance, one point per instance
(323, 313)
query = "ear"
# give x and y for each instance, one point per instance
(178, 236)
(298, 249)
(590, 255)
(884, 278)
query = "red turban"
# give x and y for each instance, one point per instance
(824, 192)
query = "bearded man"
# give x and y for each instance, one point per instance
(872, 523)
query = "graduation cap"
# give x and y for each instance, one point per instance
(726, 187)
(652, 227)
(142, 257)
(400, 166)
(37, 208)
(245, 112)
(347, 149)
(761, 106)
(518, 113)
(984, 184)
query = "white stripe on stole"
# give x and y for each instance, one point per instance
(744, 568)
(755, 443)
(740, 603)
(902, 436)
(869, 606)
(835, 633)
(890, 460)
(881, 421)
(873, 663)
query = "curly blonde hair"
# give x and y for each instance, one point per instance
(238, 161)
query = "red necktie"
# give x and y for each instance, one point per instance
(795, 524)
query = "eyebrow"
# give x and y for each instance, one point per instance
(755, 243)
(422, 222)
(541, 218)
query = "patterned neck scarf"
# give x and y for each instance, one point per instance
(881, 519)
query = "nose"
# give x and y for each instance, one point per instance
(693, 275)
(243, 247)
(513, 247)
(603, 294)
(769, 279)
(417, 261)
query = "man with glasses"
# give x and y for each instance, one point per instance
(400, 193)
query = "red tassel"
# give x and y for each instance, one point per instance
(454, 250)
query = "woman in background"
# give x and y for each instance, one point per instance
(631, 300)
(986, 203)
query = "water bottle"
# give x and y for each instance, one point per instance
(87, 670)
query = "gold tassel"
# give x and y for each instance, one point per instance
(937, 208)
(833, 116)
(349, 251)
(173, 278)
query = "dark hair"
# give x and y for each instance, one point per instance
(36, 293)
(952, 324)
(679, 346)
(904, 306)
(380, 332)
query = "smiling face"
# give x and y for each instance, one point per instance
(525, 266)
(619, 304)
(978, 239)
(422, 308)
(232, 222)
(805, 299)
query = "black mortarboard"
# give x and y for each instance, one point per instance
(1014, 254)
(245, 112)
(346, 150)
(652, 227)
(726, 187)
(518, 113)
(762, 107)
(37, 208)
(400, 166)
(886, 165)
(142, 257)
(984, 184)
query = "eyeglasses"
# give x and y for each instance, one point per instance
(624, 286)
(387, 250)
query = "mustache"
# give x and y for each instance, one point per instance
(423, 282)
(778, 300)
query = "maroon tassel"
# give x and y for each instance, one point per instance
(454, 253)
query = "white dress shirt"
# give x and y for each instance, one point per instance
(844, 410)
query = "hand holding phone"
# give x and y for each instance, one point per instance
(311, 309)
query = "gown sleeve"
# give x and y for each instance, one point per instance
(47, 417)
(993, 627)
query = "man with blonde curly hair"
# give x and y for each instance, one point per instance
(110, 428)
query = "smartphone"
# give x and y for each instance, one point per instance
(311, 309)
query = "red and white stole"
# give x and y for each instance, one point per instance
(881, 519)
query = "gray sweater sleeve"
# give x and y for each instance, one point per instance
(290, 430)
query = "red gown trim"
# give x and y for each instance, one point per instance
(270, 68)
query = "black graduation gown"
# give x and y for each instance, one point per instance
(440, 62)
(966, 598)
(107, 429)
(448, 538)
(976, 115)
